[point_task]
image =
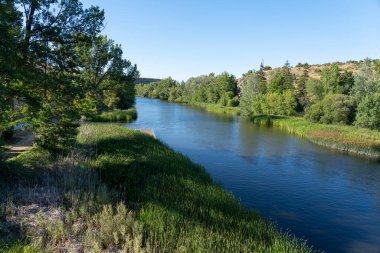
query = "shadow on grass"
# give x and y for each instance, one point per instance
(177, 199)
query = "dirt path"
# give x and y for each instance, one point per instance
(25, 143)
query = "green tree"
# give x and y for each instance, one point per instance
(48, 81)
(330, 78)
(107, 77)
(275, 103)
(366, 81)
(10, 30)
(368, 112)
(314, 90)
(252, 89)
(281, 79)
(346, 82)
(226, 87)
(334, 81)
(332, 109)
(300, 91)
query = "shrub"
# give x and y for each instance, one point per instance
(368, 112)
(332, 109)
(275, 103)
(233, 102)
(116, 116)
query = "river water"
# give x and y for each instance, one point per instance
(330, 199)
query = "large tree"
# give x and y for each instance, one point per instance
(10, 30)
(108, 78)
(47, 83)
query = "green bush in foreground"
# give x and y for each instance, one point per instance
(116, 116)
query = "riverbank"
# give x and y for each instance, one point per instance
(124, 116)
(120, 184)
(214, 108)
(348, 139)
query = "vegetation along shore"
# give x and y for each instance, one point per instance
(336, 105)
(121, 189)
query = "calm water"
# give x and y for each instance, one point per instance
(330, 199)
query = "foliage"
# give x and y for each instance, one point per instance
(368, 112)
(314, 89)
(275, 103)
(334, 81)
(359, 141)
(220, 89)
(10, 30)
(275, 96)
(332, 109)
(281, 79)
(115, 116)
(108, 78)
(300, 91)
(251, 87)
(55, 67)
(367, 81)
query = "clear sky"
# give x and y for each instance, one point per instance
(184, 38)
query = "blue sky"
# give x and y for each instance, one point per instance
(184, 38)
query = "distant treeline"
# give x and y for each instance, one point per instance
(215, 89)
(337, 96)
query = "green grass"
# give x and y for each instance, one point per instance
(116, 116)
(17, 247)
(215, 108)
(122, 190)
(176, 200)
(349, 139)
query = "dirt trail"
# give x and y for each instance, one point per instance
(25, 143)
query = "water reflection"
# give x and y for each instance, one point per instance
(330, 199)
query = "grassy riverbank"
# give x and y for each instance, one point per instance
(215, 108)
(350, 139)
(120, 189)
(124, 116)
(353, 140)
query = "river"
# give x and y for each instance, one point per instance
(330, 199)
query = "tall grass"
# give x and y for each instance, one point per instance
(349, 139)
(123, 191)
(176, 200)
(215, 108)
(116, 116)
(64, 207)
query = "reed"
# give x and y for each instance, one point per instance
(124, 116)
(348, 139)
(219, 109)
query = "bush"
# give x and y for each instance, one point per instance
(368, 112)
(124, 116)
(233, 102)
(275, 103)
(332, 109)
